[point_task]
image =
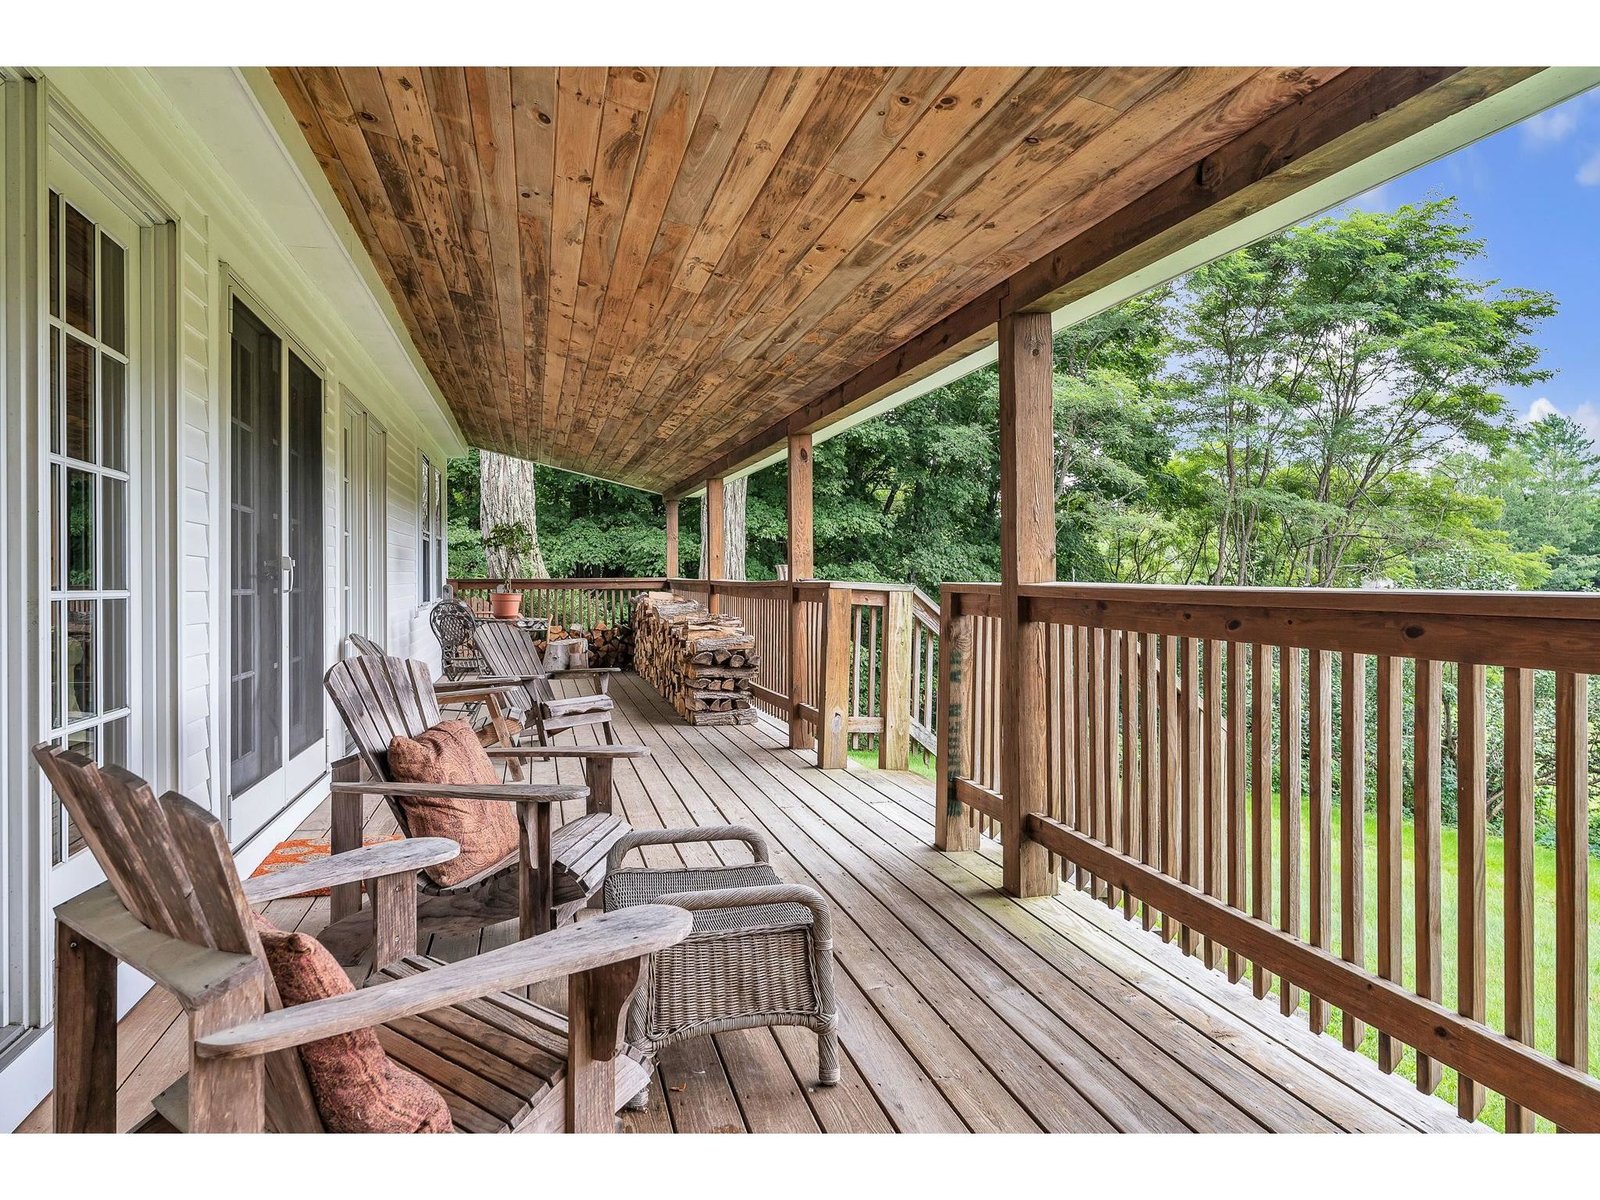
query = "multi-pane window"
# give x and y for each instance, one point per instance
(90, 699)
(432, 557)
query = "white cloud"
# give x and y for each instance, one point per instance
(1586, 414)
(1552, 126)
(1589, 172)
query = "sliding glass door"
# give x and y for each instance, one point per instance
(276, 638)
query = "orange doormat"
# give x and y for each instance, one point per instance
(302, 850)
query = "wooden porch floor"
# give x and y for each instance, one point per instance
(961, 1009)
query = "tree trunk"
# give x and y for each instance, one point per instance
(507, 495)
(734, 493)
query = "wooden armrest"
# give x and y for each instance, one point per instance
(557, 674)
(611, 938)
(535, 751)
(351, 866)
(191, 973)
(479, 682)
(542, 793)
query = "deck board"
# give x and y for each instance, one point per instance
(961, 1008)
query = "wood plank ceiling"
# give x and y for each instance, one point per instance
(626, 271)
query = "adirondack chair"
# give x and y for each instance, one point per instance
(500, 729)
(509, 653)
(173, 908)
(554, 872)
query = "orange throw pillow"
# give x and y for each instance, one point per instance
(357, 1086)
(447, 753)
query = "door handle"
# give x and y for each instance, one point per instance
(286, 565)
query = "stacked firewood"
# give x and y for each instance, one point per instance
(701, 662)
(609, 645)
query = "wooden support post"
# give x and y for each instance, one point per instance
(801, 561)
(344, 899)
(951, 829)
(714, 555)
(1027, 555)
(833, 706)
(894, 695)
(85, 1094)
(672, 539)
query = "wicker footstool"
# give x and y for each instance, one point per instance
(760, 952)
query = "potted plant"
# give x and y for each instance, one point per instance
(510, 543)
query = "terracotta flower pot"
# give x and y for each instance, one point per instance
(505, 604)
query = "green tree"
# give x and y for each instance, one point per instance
(1323, 370)
(1549, 486)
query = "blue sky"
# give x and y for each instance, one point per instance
(1532, 193)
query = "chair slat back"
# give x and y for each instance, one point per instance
(366, 647)
(508, 650)
(381, 698)
(169, 862)
(129, 832)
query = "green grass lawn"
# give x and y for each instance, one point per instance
(1544, 877)
(920, 764)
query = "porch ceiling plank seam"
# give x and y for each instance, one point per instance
(655, 275)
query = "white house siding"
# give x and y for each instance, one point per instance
(203, 144)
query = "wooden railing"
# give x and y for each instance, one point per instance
(867, 677)
(1210, 756)
(583, 601)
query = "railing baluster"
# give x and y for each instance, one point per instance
(1572, 869)
(1237, 777)
(1352, 824)
(1193, 751)
(1389, 897)
(1426, 805)
(1171, 750)
(1321, 816)
(1111, 810)
(1518, 855)
(1216, 788)
(1260, 801)
(1130, 827)
(1083, 676)
(1471, 811)
(1150, 832)
(1289, 780)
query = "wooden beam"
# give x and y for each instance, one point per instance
(1027, 555)
(801, 561)
(672, 539)
(1359, 112)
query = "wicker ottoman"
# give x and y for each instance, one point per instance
(760, 952)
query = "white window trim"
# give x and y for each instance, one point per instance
(432, 557)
